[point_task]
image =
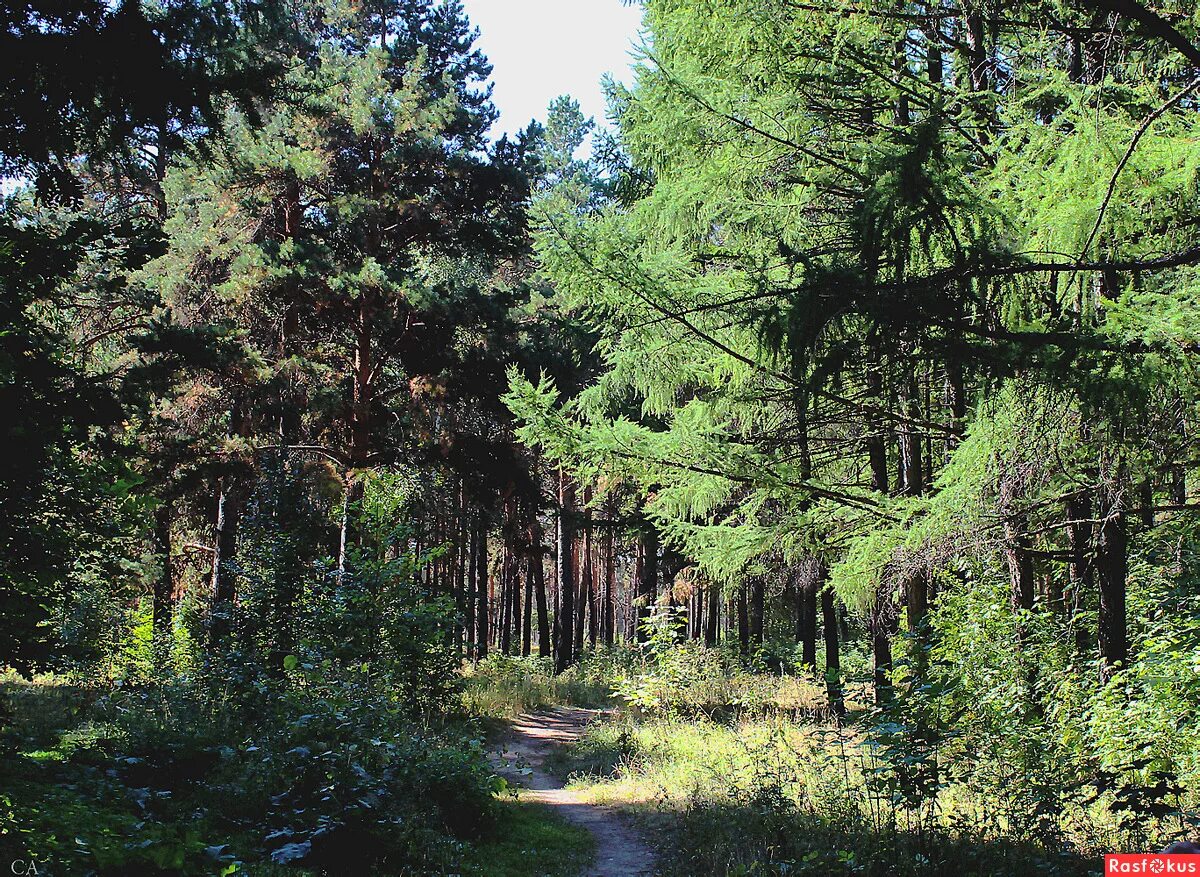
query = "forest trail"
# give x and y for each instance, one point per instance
(620, 850)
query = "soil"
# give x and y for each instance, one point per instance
(621, 850)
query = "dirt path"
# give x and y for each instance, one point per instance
(620, 850)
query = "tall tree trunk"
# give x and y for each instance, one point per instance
(1018, 556)
(472, 592)
(743, 618)
(912, 483)
(757, 610)
(806, 615)
(514, 593)
(955, 399)
(1146, 503)
(164, 584)
(610, 584)
(532, 556)
(351, 503)
(833, 666)
(1178, 485)
(883, 621)
(229, 515)
(566, 573)
(1111, 571)
(714, 614)
(537, 578)
(883, 624)
(593, 616)
(462, 540)
(1020, 570)
(507, 585)
(1080, 570)
(584, 598)
(648, 582)
(482, 585)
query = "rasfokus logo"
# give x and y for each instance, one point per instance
(1152, 864)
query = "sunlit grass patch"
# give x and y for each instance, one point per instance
(529, 840)
(772, 796)
(503, 687)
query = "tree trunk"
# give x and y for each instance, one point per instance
(1146, 500)
(482, 583)
(527, 617)
(472, 593)
(584, 597)
(743, 617)
(350, 535)
(461, 542)
(537, 578)
(1080, 570)
(757, 610)
(507, 585)
(1020, 571)
(833, 667)
(225, 538)
(1017, 555)
(1111, 571)
(164, 584)
(806, 618)
(883, 621)
(713, 617)
(1178, 485)
(566, 573)
(648, 582)
(883, 626)
(610, 584)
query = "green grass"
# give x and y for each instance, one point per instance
(531, 841)
(503, 687)
(773, 796)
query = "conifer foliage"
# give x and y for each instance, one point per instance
(859, 348)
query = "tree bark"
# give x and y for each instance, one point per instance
(164, 584)
(229, 514)
(1146, 500)
(610, 584)
(527, 618)
(584, 596)
(883, 624)
(506, 588)
(712, 619)
(833, 667)
(806, 619)
(1111, 571)
(648, 583)
(482, 584)
(743, 617)
(566, 573)
(537, 578)
(757, 610)
(1080, 570)
(472, 594)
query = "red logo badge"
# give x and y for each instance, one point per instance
(1151, 864)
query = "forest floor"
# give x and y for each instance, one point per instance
(621, 850)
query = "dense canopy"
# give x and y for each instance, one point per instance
(856, 358)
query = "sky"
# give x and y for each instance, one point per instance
(540, 49)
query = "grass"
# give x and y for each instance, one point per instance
(503, 687)
(773, 796)
(531, 841)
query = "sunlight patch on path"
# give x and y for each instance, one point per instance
(620, 850)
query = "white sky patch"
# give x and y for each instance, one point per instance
(540, 49)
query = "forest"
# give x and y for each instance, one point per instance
(791, 474)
